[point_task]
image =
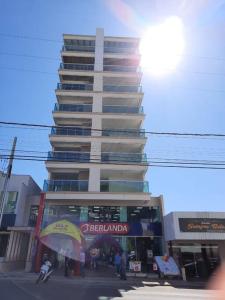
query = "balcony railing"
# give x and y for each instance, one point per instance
(69, 156)
(114, 157)
(73, 107)
(129, 50)
(81, 67)
(123, 109)
(78, 48)
(122, 186)
(71, 131)
(113, 186)
(78, 87)
(123, 132)
(65, 186)
(105, 132)
(122, 88)
(119, 68)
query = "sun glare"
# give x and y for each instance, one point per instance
(161, 47)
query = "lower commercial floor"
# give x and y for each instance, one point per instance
(107, 230)
(196, 240)
(16, 249)
(199, 258)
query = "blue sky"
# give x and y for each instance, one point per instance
(188, 100)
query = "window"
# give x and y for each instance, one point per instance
(10, 203)
(33, 215)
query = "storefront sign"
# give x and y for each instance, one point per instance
(135, 266)
(104, 228)
(202, 225)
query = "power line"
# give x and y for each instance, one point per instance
(151, 164)
(113, 130)
(7, 35)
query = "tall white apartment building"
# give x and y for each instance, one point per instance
(97, 165)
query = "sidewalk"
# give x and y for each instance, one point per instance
(135, 280)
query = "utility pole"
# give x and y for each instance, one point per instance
(5, 185)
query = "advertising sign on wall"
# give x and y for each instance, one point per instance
(104, 228)
(202, 225)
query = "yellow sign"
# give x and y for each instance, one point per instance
(63, 227)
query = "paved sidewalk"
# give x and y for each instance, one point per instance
(21, 275)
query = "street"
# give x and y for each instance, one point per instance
(59, 288)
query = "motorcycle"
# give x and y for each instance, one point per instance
(45, 272)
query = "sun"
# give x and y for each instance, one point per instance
(161, 47)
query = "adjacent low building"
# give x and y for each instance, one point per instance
(196, 240)
(19, 219)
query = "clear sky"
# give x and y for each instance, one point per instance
(188, 100)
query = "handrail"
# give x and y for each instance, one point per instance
(73, 107)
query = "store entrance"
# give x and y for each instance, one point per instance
(199, 261)
(101, 252)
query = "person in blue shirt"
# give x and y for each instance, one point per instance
(117, 262)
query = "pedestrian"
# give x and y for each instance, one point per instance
(66, 269)
(117, 262)
(82, 263)
(123, 266)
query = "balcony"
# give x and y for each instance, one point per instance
(123, 133)
(122, 186)
(79, 67)
(73, 107)
(134, 158)
(76, 87)
(65, 186)
(78, 48)
(71, 131)
(80, 157)
(122, 50)
(122, 88)
(119, 68)
(122, 109)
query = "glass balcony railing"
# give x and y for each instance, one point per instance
(80, 67)
(78, 48)
(122, 186)
(122, 109)
(65, 186)
(129, 50)
(123, 133)
(71, 131)
(74, 131)
(73, 107)
(79, 87)
(114, 157)
(116, 68)
(122, 88)
(69, 156)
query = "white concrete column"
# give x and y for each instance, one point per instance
(98, 82)
(10, 245)
(15, 245)
(17, 250)
(28, 264)
(99, 49)
(96, 151)
(96, 124)
(94, 179)
(97, 102)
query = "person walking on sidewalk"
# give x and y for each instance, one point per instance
(117, 262)
(123, 266)
(82, 262)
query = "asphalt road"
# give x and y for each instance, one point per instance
(82, 289)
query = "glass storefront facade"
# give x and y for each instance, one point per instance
(200, 260)
(141, 226)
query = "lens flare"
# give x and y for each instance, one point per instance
(161, 47)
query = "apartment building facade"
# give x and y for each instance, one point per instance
(97, 165)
